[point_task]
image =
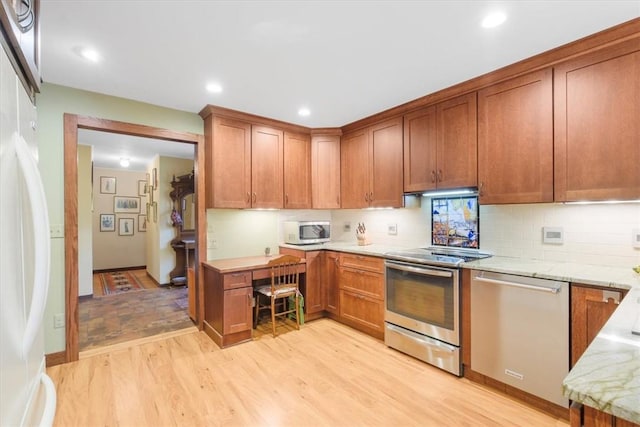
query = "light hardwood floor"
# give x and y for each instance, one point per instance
(326, 374)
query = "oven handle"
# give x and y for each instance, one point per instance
(420, 270)
(437, 346)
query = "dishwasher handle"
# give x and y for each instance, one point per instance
(551, 289)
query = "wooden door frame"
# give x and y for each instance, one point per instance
(74, 122)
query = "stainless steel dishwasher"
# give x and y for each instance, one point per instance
(520, 332)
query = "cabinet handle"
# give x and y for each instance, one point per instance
(248, 197)
(433, 176)
(286, 199)
(366, 197)
(255, 197)
(371, 197)
(481, 189)
(439, 176)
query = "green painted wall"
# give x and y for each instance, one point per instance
(52, 103)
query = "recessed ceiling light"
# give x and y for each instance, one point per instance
(214, 88)
(124, 162)
(90, 55)
(493, 19)
(304, 112)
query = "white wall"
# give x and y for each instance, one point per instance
(85, 221)
(110, 249)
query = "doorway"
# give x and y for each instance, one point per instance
(71, 125)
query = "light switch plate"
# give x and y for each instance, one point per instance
(636, 238)
(553, 235)
(392, 229)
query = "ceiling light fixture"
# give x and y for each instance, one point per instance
(124, 162)
(214, 88)
(304, 112)
(494, 19)
(90, 55)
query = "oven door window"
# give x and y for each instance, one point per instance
(424, 298)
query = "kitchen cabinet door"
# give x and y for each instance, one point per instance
(238, 313)
(371, 166)
(267, 157)
(420, 150)
(354, 170)
(325, 171)
(362, 312)
(228, 163)
(314, 298)
(515, 140)
(457, 143)
(597, 130)
(297, 171)
(590, 309)
(386, 164)
(331, 280)
(440, 146)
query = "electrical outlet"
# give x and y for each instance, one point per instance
(212, 244)
(56, 231)
(346, 227)
(58, 320)
(392, 229)
(636, 238)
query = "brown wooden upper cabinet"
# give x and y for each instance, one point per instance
(515, 140)
(245, 163)
(597, 125)
(371, 166)
(325, 171)
(297, 171)
(440, 146)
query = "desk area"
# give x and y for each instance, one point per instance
(228, 296)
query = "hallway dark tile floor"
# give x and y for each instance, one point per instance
(114, 319)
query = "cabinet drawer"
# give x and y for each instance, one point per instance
(363, 282)
(362, 310)
(362, 262)
(237, 280)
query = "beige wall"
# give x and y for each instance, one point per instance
(52, 102)
(110, 249)
(85, 221)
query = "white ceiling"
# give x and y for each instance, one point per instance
(344, 60)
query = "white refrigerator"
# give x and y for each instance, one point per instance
(27, 394)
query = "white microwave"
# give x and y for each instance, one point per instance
(306, 232)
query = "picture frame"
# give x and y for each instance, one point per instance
(107, 222)
(154, 178)
(125, 226)
(154, 207)
(142, 223)
(142, 188)
(122, 204)
(108, 184)
(149, 183)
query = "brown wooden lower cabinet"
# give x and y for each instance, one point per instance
(330, 281)
(586, 416)
(314, 301)
(228, 314)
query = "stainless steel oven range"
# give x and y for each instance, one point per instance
(422, 313)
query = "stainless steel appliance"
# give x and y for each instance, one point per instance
(306, 232)
(422, 315)
(520, 332)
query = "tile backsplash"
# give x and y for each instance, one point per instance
(593, 234)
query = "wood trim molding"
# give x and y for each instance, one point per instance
(326, 131)
(72, 123)
(53, 359)
(209, 110)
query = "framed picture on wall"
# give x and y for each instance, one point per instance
(108, 185)
(125, 226)
(142, 188)
(107, 222)
(126, 204)
(142, 223)
(154, 178)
